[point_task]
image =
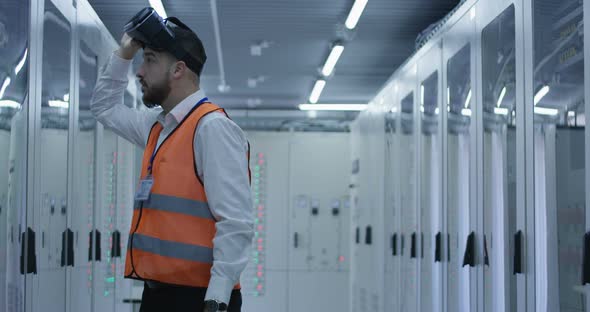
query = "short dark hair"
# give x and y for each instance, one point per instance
(192, 45)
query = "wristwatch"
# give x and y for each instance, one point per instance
(214, 306)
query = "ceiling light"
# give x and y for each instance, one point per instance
(546, 111)
(394, 110)
(9, 103)
(501, 111)
(20, 64)
(333, 107)
(541, 94)
(4, 86)
(60, 104)
(159, 7)
(67, 97)
(332, 59)
(422, 95)
(355, 13)
(466, 112)
(317, 91)
(472, 13)
(468, 100)
(501, 98)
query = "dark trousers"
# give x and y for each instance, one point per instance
(180, 299)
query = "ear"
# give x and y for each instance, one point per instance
(179, 69)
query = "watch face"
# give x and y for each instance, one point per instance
(211, 306)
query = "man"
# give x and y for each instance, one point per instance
(193, 221)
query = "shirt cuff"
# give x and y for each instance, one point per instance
(219, 289)
(119, 67)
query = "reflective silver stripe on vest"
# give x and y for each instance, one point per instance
(176, 204)
(172, 249)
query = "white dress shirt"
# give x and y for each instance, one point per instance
(220, 148)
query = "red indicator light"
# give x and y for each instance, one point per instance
(341, 258)
(259, 287)
(259, 248)
(260, 228)
(259, 274)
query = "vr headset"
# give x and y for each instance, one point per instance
(157, 33)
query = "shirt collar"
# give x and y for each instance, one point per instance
(180, 111)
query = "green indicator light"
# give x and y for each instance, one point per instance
(256, 253)
(255, 294)
(106, 293)
(256, 201)
(257, 181)
(256, 221)
(257, 175)
(256, 234)
(256, 261)
(256, 280)
(110, 280)
(257, 167)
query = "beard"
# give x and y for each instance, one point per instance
(156, 93)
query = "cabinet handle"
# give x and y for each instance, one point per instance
(586, 260)
(413, 246)
(517, 253)
(368, 235)
(469, 256)
(28, 254)
(437, 250)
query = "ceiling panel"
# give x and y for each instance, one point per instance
(299, 34)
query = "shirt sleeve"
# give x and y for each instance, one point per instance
(220, 154)
(107, 104)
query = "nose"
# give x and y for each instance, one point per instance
(140, 73)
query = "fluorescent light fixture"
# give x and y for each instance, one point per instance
(317, 91)
(501, 98)
(472, 13)
(312, 114)
(541, 94)
(422, 95)
(571, 114)
(60, 104)
(394, 110)
(501, 111)
(333, 107)
(20, 64)
(546, 111)
(4, 86)
(422, 108)
(67, 97)
(436, 111)
(159, 7)
(466, 112)
(355, 13)
(468, 100)
(9, 103)
(332, 59)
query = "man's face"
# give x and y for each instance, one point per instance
(154, 76)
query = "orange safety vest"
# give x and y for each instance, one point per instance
(171, 236)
